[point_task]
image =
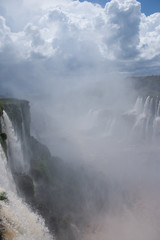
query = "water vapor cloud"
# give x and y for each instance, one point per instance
(71, 35)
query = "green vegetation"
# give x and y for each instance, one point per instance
(3, 143)
(4, 101)
(3, 136)
(1, 110)
(3, 196)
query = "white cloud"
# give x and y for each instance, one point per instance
(122, 28)
(66, 37)
(150, 36)
(83, 32)
(4, 33)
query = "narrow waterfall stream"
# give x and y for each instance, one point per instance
(15, 146)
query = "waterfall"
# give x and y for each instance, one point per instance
(6, 179)
(138, 107)
(140, 123)
(156, 123)
(142, 115)
(147, 118)
(15, 146)
(19, 221)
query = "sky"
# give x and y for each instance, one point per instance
(69, 36)
(147, 6)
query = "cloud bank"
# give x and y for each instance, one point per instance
(75, 35)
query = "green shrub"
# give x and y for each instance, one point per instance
(3, 138)
(3, 196)
(1, 110)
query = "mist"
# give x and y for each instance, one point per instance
(73, 61)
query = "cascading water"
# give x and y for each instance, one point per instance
(19, 222)
(6, 180)
(138, 107)
(156, 122)
(147, 123)
(15, 146)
